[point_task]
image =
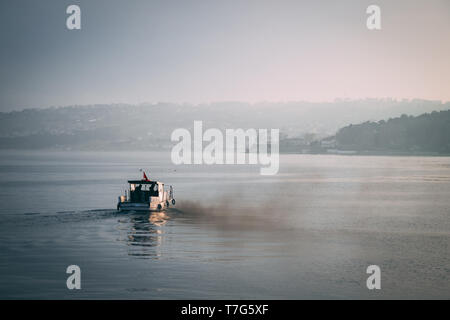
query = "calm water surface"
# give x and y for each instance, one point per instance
(308, 232)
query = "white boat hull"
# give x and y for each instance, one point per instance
(142, 207)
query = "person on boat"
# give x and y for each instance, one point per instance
(138, 193)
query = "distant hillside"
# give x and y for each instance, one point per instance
(149, 126)
(427, 133)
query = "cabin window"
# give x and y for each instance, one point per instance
(141, 192)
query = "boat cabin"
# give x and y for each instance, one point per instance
(141, 191)
(146, 195)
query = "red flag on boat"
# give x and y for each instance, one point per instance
(145, 176)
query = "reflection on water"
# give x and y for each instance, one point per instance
(143, 234)
(158, 218)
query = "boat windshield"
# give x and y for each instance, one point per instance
(143, 192)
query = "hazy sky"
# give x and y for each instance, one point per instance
(216, 50)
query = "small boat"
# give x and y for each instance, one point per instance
(146, 195)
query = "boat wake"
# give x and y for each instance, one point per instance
(58, 217)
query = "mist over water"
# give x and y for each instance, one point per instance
(308, 232)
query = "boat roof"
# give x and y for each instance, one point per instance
(141, 182)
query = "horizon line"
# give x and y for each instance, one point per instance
(335, 100)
